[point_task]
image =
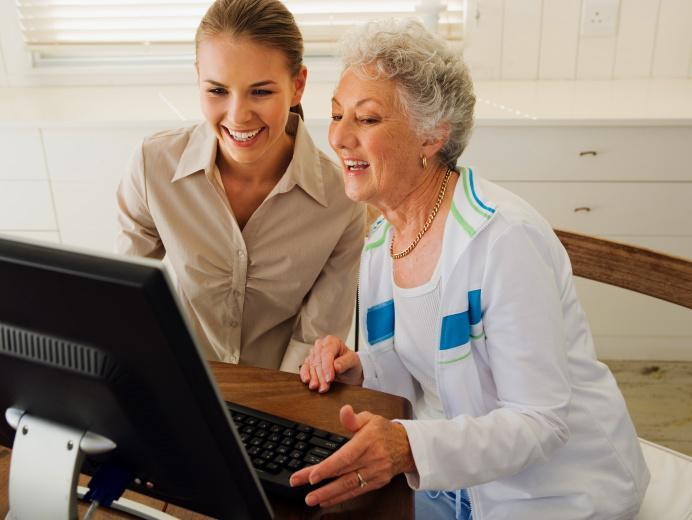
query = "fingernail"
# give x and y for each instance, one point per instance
(291, 482)
(328, 378)
(314, 479)
(310, 500)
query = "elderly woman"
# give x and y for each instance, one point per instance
(469, 310)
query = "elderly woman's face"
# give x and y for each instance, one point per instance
(378, 149)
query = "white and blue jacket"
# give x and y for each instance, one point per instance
(535, 426)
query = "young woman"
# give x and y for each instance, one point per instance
(251, 216)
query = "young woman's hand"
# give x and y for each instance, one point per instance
(378, 451)
(330, 360)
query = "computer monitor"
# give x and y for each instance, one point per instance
(100, 344)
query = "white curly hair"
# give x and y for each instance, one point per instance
(433, 83)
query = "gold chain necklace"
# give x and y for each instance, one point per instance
(428, 222)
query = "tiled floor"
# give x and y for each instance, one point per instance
(659, 398)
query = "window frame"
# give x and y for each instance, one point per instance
(24, 66)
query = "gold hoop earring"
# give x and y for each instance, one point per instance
(424, 162)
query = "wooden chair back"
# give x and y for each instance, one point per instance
(648, 272)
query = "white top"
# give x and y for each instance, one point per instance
(415, 341)
(535, 426)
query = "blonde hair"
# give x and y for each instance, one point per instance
(433, 84)
(266, 22)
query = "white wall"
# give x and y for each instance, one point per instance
(541, 39)
(3, 70)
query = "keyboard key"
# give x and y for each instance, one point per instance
(263, 424)
(248, 429)
(287, 441)
(320, 452)
(267, 455)
(303, 428)
(311, 459)
(244, 437)
(257, 462)
(261, 433)
(274, 437)
(289, 433)
(324, 444)
(295, 464)
(275, 428)
(269, 445)
(283, 450)
(272, 468)
(321, 433)
(255, 441)
(281, 459)
(238, 417)
(297, 454)
(251, 421)
(302, 436)
(254, 451)
(337, 438)
(300, 446)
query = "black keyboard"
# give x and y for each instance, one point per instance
(278, 447)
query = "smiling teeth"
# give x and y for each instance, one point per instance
(353, 164)
(244, 136)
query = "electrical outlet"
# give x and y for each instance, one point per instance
(599, 17)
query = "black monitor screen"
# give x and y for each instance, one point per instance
(100, 343)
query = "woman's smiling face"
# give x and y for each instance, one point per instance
(246, 91)
(374, 139)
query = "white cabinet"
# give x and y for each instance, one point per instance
(85, 166)
(612, 208)
(86, 213)
(21, 155)
(91, 154)
(631, 182)
(26, 206)
(582, 153)
(629, 325)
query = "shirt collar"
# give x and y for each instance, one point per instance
(304, 170)
(199, 154)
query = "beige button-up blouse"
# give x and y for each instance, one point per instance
(260, 296)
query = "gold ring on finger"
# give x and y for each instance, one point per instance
(361, 481)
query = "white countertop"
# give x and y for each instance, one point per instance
(619, 102)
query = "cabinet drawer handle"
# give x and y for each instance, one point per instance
(594, 153)
(582, 209)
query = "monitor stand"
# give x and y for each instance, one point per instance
(46, 461)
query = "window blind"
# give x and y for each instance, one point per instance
(93, 28)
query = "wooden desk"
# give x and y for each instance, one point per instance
(283, 394)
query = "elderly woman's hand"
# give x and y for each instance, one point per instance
(330, 360)
(378, 451)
